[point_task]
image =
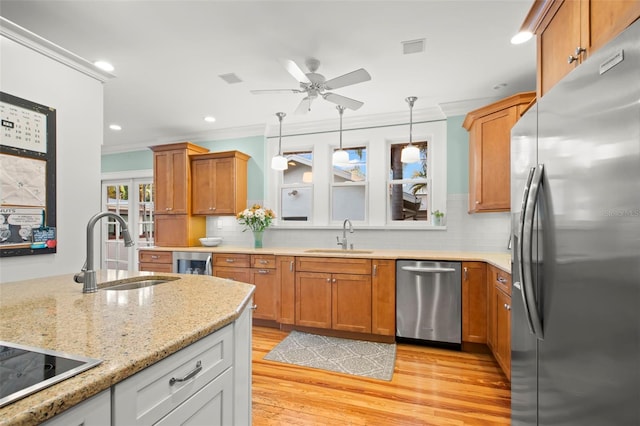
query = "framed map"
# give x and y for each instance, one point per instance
(27, 177)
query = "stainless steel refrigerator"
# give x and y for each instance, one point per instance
(575, 308)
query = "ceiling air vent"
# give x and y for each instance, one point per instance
(413, 46)
(230, 78)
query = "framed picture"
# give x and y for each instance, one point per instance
(27, 177)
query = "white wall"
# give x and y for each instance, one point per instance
(78, 98)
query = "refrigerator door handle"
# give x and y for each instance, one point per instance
(519, 248)
(527, 253)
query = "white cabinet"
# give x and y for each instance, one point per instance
(96, 411)
(200, 379)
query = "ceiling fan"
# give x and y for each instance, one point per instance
(314, 85)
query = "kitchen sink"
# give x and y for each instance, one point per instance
(136, 283)
(351, 251)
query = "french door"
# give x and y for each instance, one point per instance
(133, 200)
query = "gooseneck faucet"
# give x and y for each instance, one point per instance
(344, 242)
(88, 275)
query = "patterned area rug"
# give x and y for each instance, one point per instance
(357, 357)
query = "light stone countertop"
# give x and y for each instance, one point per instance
(127, 330)
(499, 260)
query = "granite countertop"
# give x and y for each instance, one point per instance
(127, 330)
(499, 260)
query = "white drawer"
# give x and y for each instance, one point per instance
(149, 395)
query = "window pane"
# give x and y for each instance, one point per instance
(408, 192)
(296, 203)
(356, 170)
(300, 168)
(348, 202)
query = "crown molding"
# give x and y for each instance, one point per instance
(43, 46)
(451, 109)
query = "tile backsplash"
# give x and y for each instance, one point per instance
(487, 232)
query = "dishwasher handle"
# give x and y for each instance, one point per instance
(428, 269)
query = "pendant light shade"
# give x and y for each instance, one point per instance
(340, 157)
(279, 162)
(410, 153)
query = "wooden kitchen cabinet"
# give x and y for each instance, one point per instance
(474, 302)
(326, 299)
(155, 261)
(259, 270)
(489, 152)
(174, 225)
(499, 317)
(285, 269)
(383, 297)
(569, 31)
(219, 183)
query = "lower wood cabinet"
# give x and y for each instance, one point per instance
(499, 317)
(383, 297)
(155, 261)
(259, 270)
(286, 271)
(474, 302)
(339, 301)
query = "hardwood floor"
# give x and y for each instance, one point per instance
(430, 386)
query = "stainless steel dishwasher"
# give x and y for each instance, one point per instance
(428, 301)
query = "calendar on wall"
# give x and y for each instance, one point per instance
(27, 177)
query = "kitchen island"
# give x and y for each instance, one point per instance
(128, 330)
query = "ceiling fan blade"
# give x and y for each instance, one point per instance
(343, 100)
(296, 71)
(268, 91)
(354, 77)
(304, 106)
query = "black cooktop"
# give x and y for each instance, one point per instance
(25, 370)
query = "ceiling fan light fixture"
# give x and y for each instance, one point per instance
(279, 162)
(410, 153)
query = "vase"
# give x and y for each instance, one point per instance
(257, 239)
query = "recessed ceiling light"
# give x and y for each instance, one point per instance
(521, 37)
(104, 66)
(115, 127)
(209, 119)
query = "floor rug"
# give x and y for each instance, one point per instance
(357, 357)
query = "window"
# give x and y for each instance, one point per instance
(296, 192)
(408, 185)
(124, 197)
(371, 189)
(349, 187)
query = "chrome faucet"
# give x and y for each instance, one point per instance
(344, 242)
(88, 275)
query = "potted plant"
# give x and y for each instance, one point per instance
(438, 217)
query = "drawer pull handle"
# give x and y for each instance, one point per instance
(229, 260)
(502, 280)
(155, 257)
(263, 262)
(263, 271)
(191, 375)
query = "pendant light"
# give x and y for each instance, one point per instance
(340, 157)
(410, 153)
(279, 162)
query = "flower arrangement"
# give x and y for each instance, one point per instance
(256, 218)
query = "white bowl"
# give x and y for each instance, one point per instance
(210, 241)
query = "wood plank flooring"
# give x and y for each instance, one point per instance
(430, 386)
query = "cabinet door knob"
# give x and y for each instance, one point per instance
(571, 59)
(328, 280)
(507, 307)
(167, 208)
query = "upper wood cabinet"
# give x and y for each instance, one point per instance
(172, 177)
(489, 152)
(174, 226)
(219, 183)
(569, 31)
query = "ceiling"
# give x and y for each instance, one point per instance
(168, 56)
